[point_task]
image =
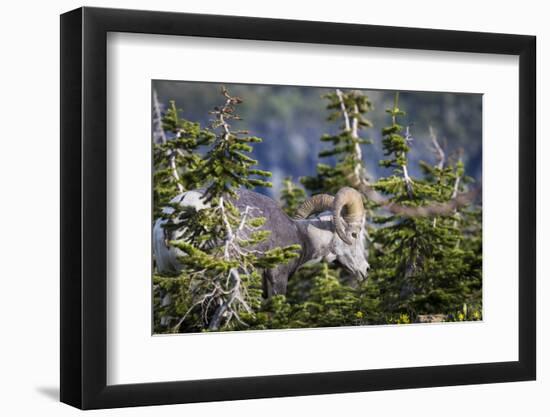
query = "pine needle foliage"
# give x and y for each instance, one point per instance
(227, 165)
(318, 298)
(292, 196)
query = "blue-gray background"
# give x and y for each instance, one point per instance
(291, 120)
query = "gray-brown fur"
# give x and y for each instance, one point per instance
(316, 237)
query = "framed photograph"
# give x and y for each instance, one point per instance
(258, 208)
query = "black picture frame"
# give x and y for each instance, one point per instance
(84, 207)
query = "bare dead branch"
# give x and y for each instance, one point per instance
(440, 154)
(457, 179)
(406, 178)
(340, 95)
(353, 127)
(174, 167)
(436, 209)
(159, 136)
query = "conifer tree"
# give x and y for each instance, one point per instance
(175, 154)
(350, 302)
(220, 262)
(462, 278)
(396, 146)
(328, 303)
(226, 165)
(417, 261)
(346, 146)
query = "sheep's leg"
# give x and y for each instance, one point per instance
(279, 286)
(274, 283)
(267, 285)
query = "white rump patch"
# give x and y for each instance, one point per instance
(167, 256)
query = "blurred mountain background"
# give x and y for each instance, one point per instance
(291, 120)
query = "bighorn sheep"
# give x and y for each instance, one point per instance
(336, 236)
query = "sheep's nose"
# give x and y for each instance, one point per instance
(365, 273)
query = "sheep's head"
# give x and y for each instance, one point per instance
(348, 219)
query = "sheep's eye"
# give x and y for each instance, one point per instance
(354, 235)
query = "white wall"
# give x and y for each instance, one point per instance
(29, 106)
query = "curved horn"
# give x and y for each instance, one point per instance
(354, 212)
(316, 204)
